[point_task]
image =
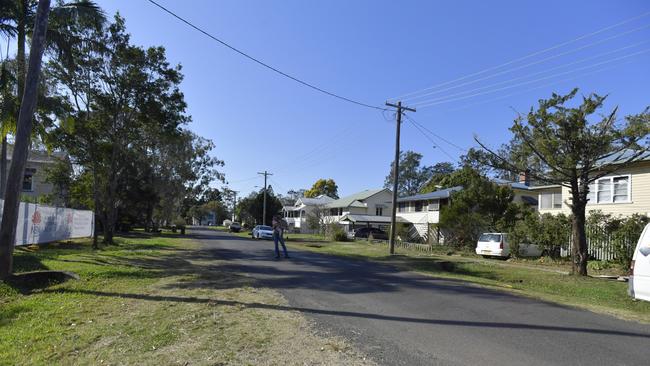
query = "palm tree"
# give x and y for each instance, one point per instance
(17, 20)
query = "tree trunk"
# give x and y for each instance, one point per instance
(111, 210)
(96, 204)
(579, 253)
(3, 167)
(21, 146)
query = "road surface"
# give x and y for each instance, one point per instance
(403, 318)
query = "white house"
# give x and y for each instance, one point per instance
(296, 215)
(421, 210)
(369, 208)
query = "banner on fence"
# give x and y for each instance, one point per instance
(39, 224)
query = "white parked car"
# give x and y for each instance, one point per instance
(262, 232)
(496, 245)
(639, 285)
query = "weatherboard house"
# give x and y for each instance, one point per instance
(296, 215)
(368, 208)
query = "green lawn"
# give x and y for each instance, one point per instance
(151, 300)
(538, 280)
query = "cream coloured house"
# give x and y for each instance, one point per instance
(622, 193)
(34, 183)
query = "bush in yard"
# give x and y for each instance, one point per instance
(335, 232)
(620, 232)
(547, 231)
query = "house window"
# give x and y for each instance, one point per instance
(379, 211)
(28, 180)
(418, 206)
(550, 200)
(610, 190)
(434, 205)
(402, 206)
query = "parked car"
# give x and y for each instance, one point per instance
(235, 227)
(262, 232)
(497, 245)
(639, 284)
(365, 232)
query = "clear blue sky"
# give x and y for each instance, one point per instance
(372, 50)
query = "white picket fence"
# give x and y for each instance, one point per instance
(39, 224)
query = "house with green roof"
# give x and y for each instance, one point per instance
(368, 208)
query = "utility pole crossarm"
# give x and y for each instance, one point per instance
(399, 106)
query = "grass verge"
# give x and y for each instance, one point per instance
(152, 300)
(602, 296)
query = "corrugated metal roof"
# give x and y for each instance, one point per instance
(315, 201)
(441, 193)
(353, 200)
(623, 156)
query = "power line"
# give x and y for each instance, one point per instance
(431, 140)
(525, 57)
(443, 100)
(508, 71)
(262, 63)
(544, 71)
(535, 88)
(436, 135)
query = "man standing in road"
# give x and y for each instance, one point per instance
(278, 235)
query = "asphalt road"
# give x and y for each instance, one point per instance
(403, 318)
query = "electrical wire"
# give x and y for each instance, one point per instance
(539, 73)
(437, 91)
(416, 125)
(444, 100)
(524, 57)
(434, 134)
(535, 88)
(262, 63)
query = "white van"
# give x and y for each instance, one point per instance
(640, 268)
(496, 245)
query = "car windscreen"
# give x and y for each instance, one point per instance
(265, 228)
(490, 237)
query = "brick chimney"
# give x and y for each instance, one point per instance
(524, 177)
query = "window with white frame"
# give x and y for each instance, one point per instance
(379, 211)
(550, 200)
(614, 189)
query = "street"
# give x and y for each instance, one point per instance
(403, 318)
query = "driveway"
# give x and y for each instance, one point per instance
(403, 318)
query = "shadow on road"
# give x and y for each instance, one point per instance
(458, 323)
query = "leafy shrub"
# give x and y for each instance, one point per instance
(547, 231)
(598, 265)
(335, 232)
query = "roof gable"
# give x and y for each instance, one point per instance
(354, 199)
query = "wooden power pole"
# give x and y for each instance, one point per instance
(265, 174)
(393, 217)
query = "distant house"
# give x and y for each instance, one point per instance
(421, 211)
(369, 208)
(296, 215)
(623, 193)
(34, 183)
